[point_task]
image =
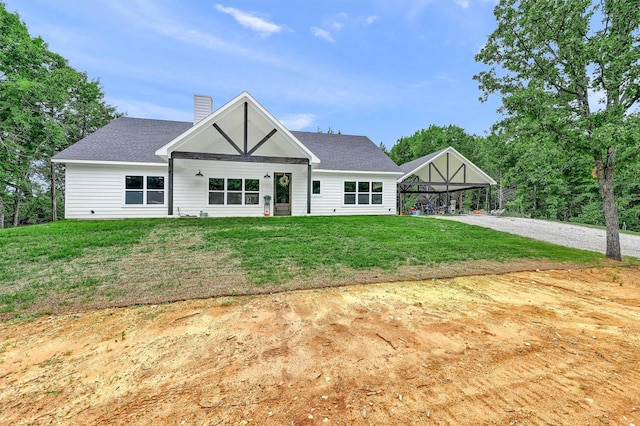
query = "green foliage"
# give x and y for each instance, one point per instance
(432, 139)
(45, 106)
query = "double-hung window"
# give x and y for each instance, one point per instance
(376, 192)
(234, 191)
(349, 192)
(144, 189)
(362, 192)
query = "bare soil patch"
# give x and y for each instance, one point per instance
(540, 347)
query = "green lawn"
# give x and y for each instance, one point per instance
(81, 264)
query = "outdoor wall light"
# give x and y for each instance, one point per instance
(199, 174)
(267, 176)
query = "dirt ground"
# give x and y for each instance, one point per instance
(559, 347)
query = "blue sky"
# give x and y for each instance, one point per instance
(380, 68)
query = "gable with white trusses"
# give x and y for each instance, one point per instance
(443, 171)
(240, 130)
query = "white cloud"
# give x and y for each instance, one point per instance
(330, 26)
(162, 21)
(254, 23)
(335, 25)
(323, 34)
(338, 22)
(371, 19)
(298, 121)
(463, 3)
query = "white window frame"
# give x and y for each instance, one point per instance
(244, 193)
(357, 193)
(145, 190)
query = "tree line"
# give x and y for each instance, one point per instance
(45, 106)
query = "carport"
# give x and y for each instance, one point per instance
(441, 172)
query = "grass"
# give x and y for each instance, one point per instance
(70, 265)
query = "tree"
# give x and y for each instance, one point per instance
(432, 139)
(45, 106)
(549, 58)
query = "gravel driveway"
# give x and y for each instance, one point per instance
(563, 234)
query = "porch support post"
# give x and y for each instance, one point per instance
(246, 127)
(309, 188)
(170, 195)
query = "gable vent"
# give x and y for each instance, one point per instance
(202, 107)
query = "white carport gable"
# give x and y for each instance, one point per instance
(442, 171)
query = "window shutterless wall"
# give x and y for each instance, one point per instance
(101, 189)
(330, 201)
(192, 194)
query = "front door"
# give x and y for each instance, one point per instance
(282, 191)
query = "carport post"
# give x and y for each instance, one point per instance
(446, 207)
(489, 199)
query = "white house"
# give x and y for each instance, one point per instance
(228, 162)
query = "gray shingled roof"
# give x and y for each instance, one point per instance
(346, 152)
(126, 139)
(137, 139)
(412, 165)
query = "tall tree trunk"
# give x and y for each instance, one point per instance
(605, 172)
(16, 209)
(1, 213)
(54, 207)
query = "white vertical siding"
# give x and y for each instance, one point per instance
(330, 201)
